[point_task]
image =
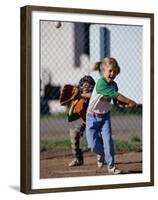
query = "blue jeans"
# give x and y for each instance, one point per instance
(97, 126)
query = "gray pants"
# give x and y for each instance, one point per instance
(75, 137)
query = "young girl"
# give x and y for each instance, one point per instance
(98, 120)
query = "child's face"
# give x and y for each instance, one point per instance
(85, 87)
(110, 72)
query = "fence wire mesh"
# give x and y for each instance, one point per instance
(67, 53)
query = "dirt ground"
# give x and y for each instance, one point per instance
(55, 164)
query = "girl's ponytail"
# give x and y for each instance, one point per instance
(97, 66)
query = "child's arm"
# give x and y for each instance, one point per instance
(128, 102)
(72, 107)
(86, 95)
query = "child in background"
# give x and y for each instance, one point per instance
(98, 120)
(77, 122)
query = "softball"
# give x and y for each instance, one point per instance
(57, 24)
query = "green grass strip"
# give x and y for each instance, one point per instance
(120, 145)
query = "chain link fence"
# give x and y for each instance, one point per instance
(68, 51)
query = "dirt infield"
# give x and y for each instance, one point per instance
(55, 164)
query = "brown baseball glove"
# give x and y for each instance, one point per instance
(68, 93)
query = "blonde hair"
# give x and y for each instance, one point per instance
(110, 61)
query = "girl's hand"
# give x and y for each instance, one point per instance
(131, 104)
(121, 104)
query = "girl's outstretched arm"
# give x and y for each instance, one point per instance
(129, 103)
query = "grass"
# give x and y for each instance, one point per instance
(55, 116)
(135, 139)
(55, 145)
(135, 144)
(126, 146)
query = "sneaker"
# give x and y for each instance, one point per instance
(75, 162)
(114, 171)
(100, 161)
